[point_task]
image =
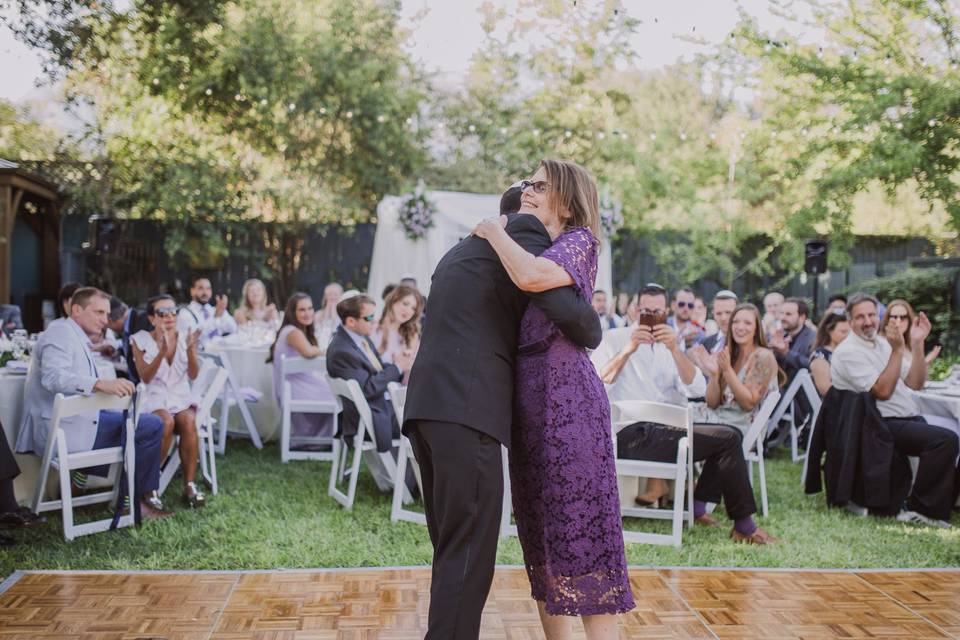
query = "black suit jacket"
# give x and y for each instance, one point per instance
(464, 369)
(346, 360)
(862, 464)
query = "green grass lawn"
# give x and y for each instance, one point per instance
(270, 515)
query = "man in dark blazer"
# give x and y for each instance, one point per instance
(458, 412)
(351, 355)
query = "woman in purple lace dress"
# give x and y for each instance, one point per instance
(562, 469)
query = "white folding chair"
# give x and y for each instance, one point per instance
(66, 462)
(398, 397)
(627, 412)
(382, 466)
(753, 443)
(207, 389)
(232, 396)
(291, 405)
(801, 383)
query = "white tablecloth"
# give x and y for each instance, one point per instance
(940, 409)
(250, 369)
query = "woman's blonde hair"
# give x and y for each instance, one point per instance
(252, 282)
(573, 191)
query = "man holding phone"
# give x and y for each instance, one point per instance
(644, 362)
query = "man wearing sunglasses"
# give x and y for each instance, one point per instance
(459, 403)
(688, 331)
(351, 355)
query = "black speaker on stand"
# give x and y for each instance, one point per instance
(815, 263)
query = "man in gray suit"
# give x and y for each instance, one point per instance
(63, 363)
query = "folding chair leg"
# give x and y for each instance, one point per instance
(678, 493)
(399, 484)
(285, 436)
(66, 495)
(224, 416)
(354, 471)
(763, 486)
(212, 462)
(42, 479)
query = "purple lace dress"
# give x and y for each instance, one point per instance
(562, 470)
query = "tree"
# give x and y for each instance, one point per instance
(878, 104)
(213, 114)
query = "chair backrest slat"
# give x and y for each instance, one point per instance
(295, 364)
(67, 406)
(398, 397)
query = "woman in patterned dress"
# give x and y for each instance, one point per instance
(562, 468)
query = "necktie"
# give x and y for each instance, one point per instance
(371, 356)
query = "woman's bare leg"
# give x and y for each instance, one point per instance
(554, 627)
(603, 627)
(168, 426)
(186, 422)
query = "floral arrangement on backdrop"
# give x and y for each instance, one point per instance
(610, 217)
(417, 213)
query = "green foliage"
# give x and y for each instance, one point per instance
(941, 367)
(878, 105)
(209, 113)
(270, 515)
(930, 290)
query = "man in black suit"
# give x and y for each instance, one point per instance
(125, 321)
(352, 356)
(458, 412)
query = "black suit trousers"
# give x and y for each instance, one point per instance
(934, 486)
(462, 474)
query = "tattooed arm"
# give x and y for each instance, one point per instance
(755, 384)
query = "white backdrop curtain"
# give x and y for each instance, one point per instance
(395, 256)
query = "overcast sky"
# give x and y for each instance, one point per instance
(449, 32)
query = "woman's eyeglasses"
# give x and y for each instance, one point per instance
(898, 316)
(540, 186)
(164, 313)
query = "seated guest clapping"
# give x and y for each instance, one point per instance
(63, 363)
(661, 373)
(399, 328)
(167, 361)
(902, 316)
(254, 306)
(867, 361)
(326, 319)
(200, 314)
(832, 331)
(353, 356)
(740, 376)
(297, 339)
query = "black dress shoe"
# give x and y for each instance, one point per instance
(22, 517)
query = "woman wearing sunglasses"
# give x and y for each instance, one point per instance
(562, 471)
(902, 316)
(167, 361)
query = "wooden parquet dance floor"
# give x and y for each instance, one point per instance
(392, 604)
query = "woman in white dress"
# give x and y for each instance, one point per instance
(254, 306)
(399, 328)
(167, 361)
(297, 338)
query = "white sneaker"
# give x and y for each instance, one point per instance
(918, 518)
(856, 509)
